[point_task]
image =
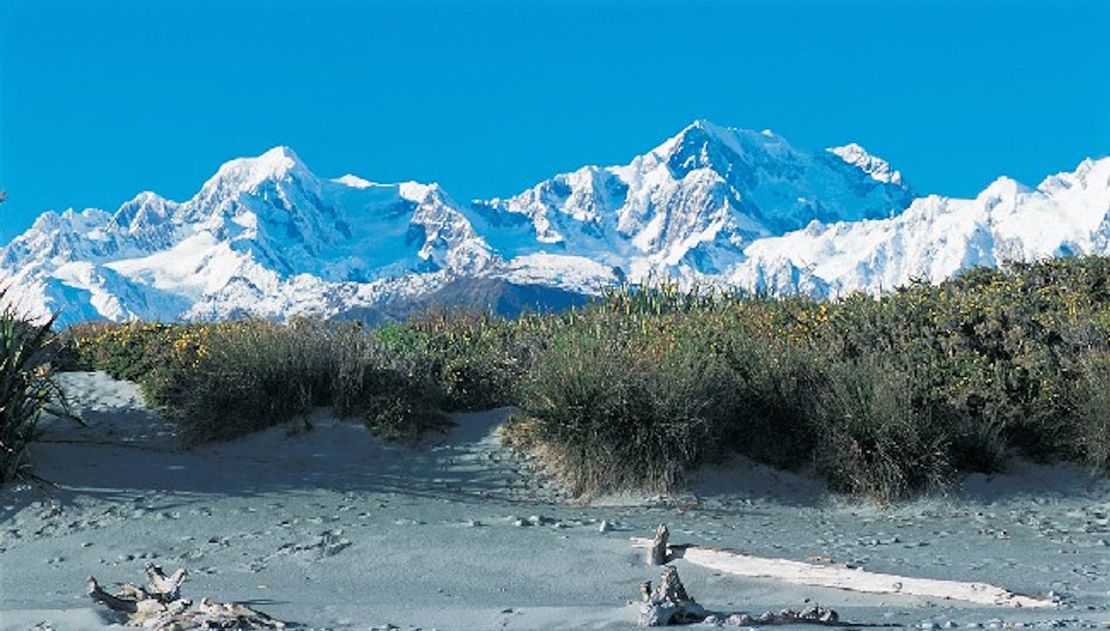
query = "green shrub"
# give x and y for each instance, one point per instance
(27, 351)
(1094, 411)
(125, 351)
(478, 359)
(404, 416)
(240, 377)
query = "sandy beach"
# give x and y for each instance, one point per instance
(331, 529)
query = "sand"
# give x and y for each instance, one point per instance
(333, 530)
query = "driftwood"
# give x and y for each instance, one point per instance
(160, 607)
(657, 552)
(810, 615)
(840, 577)
(670, 604)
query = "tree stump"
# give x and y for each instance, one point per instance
(669, 603)
(657, 553)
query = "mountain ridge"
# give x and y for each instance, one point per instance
(739, 209)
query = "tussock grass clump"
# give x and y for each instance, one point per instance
(873, 438)
(617, 408)
(1094, 411)
(27, 352)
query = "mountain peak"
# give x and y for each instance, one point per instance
(422, 192)
(277, 161)
(699, 129)
(703, 138)
(1004, 187)
(879, 169)
(245, 174)
(145, 206)
(353, 181)
(705, 125)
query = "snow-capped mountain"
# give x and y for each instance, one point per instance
(264, 236)
(1067, 214)
(742, 209)
(691, 205)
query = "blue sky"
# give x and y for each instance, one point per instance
(99, 100)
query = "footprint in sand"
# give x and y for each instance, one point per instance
(327, 544)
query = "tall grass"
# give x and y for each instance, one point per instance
(624, 408)
(221, 381)
(27, 387)
(1094, 411)
(251, 375)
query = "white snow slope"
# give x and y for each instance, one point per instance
(716, 206)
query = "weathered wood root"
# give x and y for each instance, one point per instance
(124, 603)
(670, 604)
(160, 606)
(165, 588)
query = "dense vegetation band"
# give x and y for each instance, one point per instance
(883, 397)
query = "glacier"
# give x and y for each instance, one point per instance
(712, 206)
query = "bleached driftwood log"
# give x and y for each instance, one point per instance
(810, 615)
(160, 607)
(657, 552)
(839, 577)
(669, 603)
